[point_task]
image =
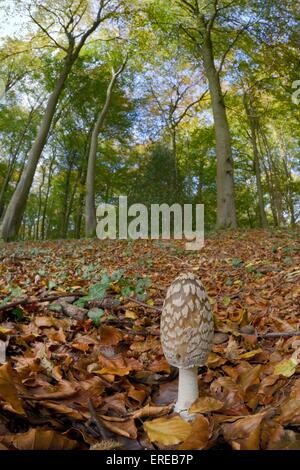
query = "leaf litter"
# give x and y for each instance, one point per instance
(83, 366)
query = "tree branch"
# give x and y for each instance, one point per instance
(188, 6)
(231, 46)
(178, 121)
(47, 33)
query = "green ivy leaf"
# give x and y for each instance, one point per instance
(95, 314)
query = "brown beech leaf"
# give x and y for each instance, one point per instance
(148, 411)
(117, 365)
(250, 354)
(199, 436)
(113, 371)
(214, 360)
(168, 431)
(8, 391)
(110, 336)
(249, 377)
(114, 404)
(64, 409)
(38, 439)
(290, 410)
(268, 386)
(206, 405)
(138, 395)
(149, 344)
(167, 393)
(160, 365)
(81, 347)
(244, 433)
(62, 390)
(285, 440)
(122, 427)
(226, 390)
(2, 447)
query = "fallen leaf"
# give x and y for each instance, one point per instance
(249, 377)
(199, 436)
(250, 354)
(110, 336)
(130, 314)
(38, 439)
(244, 433)
(227, 391)
(148, 411)
(214, 361)
(206, 405)
(168, 431)
(8, 391)
(124, 428)
(287, 367)
(81, 346)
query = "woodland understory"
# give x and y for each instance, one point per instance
(163, 101)
(85, 368)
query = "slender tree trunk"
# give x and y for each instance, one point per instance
(256, 160)
(47, 197)
(80, 205)
(12, 162)
(64, 222)
(37, 234)
(5, 185)
(289, 191)
(275, 181)
(174, 154)
(15, 210)
(90, 208)
(71, 202)
(226, 214)
(289, 177)
(81, 195)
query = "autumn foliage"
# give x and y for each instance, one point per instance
(84, 366)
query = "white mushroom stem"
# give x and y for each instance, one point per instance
(188, 390)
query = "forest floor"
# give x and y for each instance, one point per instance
(84, 366)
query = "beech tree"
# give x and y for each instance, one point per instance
(75, 27)
(90, 209)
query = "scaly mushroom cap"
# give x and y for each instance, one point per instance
(187, 326)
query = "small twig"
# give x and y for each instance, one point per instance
(33, 300)
(99, 426)
(15, 303)
(15, 258)
(143, 304)
(142, 332)
(277, 334)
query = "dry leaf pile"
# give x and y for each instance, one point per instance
(84, 367)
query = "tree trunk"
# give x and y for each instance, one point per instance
(81, 193)
(15, 210)
(12, 162)
(67, 184)
(276, 182)
(47, 197)
(5, 184)
(256, 160)
(90, 208)
(289, 178)
(174, 155)
(37, 234)
(226, 214)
